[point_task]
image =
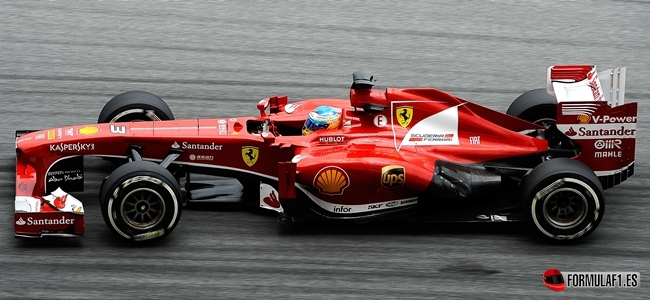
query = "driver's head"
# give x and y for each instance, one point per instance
(322, 117)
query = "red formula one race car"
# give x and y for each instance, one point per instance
(415, 154)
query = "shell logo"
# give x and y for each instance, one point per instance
(89, 130)
(331, 180)
(583, 118)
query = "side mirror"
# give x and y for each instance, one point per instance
(262, 105)
(266, 134)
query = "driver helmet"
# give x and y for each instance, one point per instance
(322, 117)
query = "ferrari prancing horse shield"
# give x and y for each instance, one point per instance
(249, 154)
(404, 115)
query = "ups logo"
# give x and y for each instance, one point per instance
(393, 176)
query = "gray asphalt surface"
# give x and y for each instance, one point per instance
(60, 61)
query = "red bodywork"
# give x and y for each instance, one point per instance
(383, 157)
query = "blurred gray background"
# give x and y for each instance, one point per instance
(60, 61)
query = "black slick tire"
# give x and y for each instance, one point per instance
(135, 106)
(141, 201)
(563, 199)
(535, 106)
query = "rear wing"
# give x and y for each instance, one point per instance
(583, 83)
(593, 113)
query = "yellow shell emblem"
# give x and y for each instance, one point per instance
(584, 118)
(331, 180)
(250, 154)
(404, 115)
(89, 130)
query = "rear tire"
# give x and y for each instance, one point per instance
(141, 201)
(535, 106)
(563, 199)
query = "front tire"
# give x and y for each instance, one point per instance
(141, 201)
(563, 199)
(135, 106)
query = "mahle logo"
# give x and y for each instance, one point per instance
(393, 176)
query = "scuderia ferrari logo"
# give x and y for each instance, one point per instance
(249, 154)
(404, 115)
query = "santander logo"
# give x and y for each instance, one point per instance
(272, 200)
(46, 221)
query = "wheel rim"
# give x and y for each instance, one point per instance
(565, 208)
(143, 209)
(135, 115)
(546, 122)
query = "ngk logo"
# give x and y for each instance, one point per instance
(608, 144)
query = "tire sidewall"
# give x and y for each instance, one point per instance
(139, 116)
(534, 105)
(594, 210)
(114, 196)
(134, 100)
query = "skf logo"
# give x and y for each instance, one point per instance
(404, 115)
(89, 130)
(393, 176)
(249, 154)
(583, 118)
(331, 180)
